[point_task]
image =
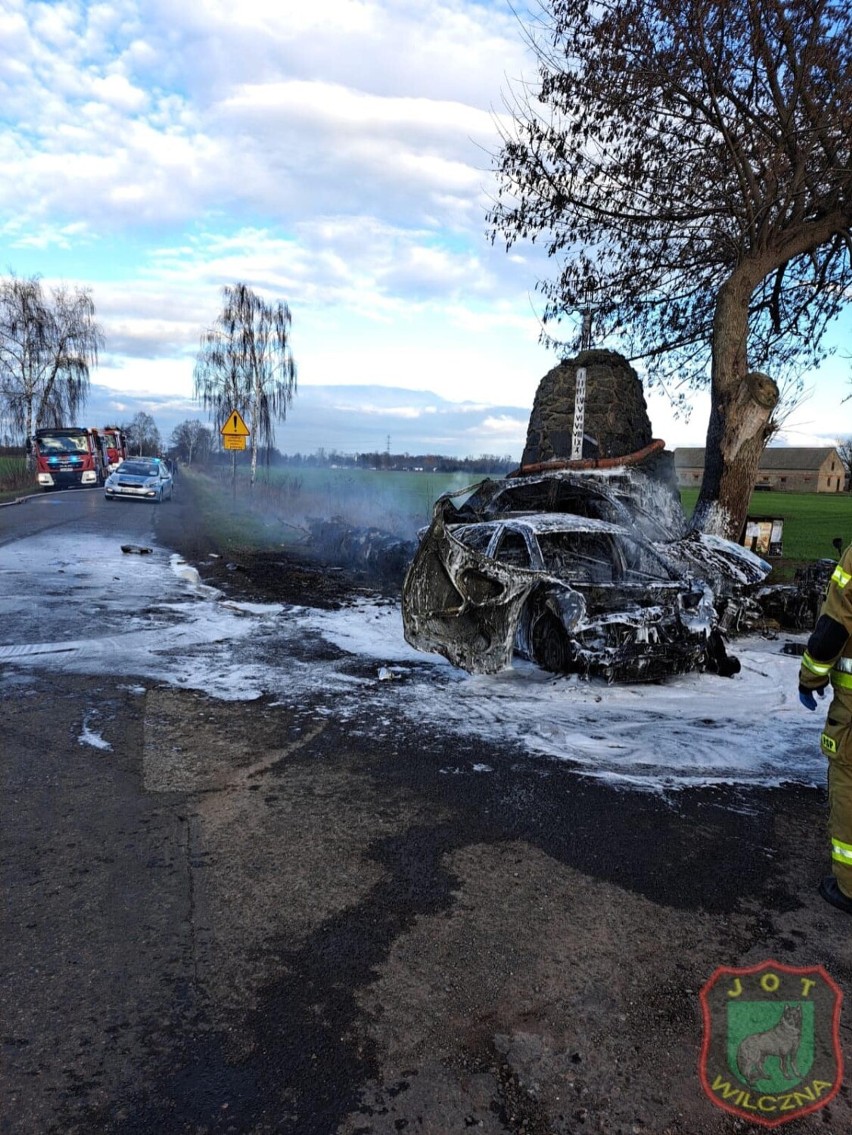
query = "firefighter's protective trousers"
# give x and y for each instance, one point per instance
(828, 658)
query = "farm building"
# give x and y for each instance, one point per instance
(783, 468)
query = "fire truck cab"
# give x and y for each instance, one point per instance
(114, 443)
(68, 457)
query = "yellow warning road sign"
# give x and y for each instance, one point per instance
(234, 426)
(233, 441)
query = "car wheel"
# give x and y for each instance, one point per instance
(551, 646)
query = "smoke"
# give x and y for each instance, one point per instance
(358, 518)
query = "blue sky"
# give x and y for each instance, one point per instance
(333, 154)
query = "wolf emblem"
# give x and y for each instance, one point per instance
(782, 1040)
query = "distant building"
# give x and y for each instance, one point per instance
(783, 468)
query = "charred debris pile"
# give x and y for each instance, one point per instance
(378, 554)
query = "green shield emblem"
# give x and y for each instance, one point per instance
(771, 1049)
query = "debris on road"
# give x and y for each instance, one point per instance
(374, 550)
(795, 606)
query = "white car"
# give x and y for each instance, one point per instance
(140, 478)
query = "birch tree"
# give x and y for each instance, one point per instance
(49, 343)
(245, 363)
(692, 157)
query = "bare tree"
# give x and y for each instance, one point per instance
(844, 449)
(692, 157)
(191, 440)
(143, 435)
(245, 363)
(48, 344)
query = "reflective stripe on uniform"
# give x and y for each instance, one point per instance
(815, 667)
(840, 851)
(841, 680)
(840, 577)
(844, 664)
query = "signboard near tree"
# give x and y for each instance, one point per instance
(234, 433)
(245, 366)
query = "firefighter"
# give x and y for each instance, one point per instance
(828, 658)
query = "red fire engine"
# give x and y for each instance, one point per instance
(115, 446)
(68, 457)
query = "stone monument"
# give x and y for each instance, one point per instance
(616, 415)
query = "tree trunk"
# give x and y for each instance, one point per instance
(31, 457)
(741, 406)
(257, 391)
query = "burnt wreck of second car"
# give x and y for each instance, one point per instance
(581, 571)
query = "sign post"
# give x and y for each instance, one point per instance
(234, 433)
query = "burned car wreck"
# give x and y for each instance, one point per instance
(590, 572)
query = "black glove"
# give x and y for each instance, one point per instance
(806, 697)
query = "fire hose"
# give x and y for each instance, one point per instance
(591, 462)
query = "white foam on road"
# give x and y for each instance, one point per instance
(689, 730)
(88, 736)
(167, 627)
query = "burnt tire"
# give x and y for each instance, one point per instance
(551, 646)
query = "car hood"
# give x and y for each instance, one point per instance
(721, 563)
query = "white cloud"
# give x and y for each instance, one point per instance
(333, 107)
(219, 106)
(334, 154)
(117, 92)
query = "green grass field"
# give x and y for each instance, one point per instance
(13, 477)
(398, 502)
(374, 489)
(279, 509)
(402, 502)
(811, 522)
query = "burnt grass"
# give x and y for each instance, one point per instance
(293, 574)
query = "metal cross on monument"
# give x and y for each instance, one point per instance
(580, 380)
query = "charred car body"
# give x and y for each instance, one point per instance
(591, 572)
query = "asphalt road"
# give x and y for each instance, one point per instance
(255, 917)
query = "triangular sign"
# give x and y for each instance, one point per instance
(234, 426)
